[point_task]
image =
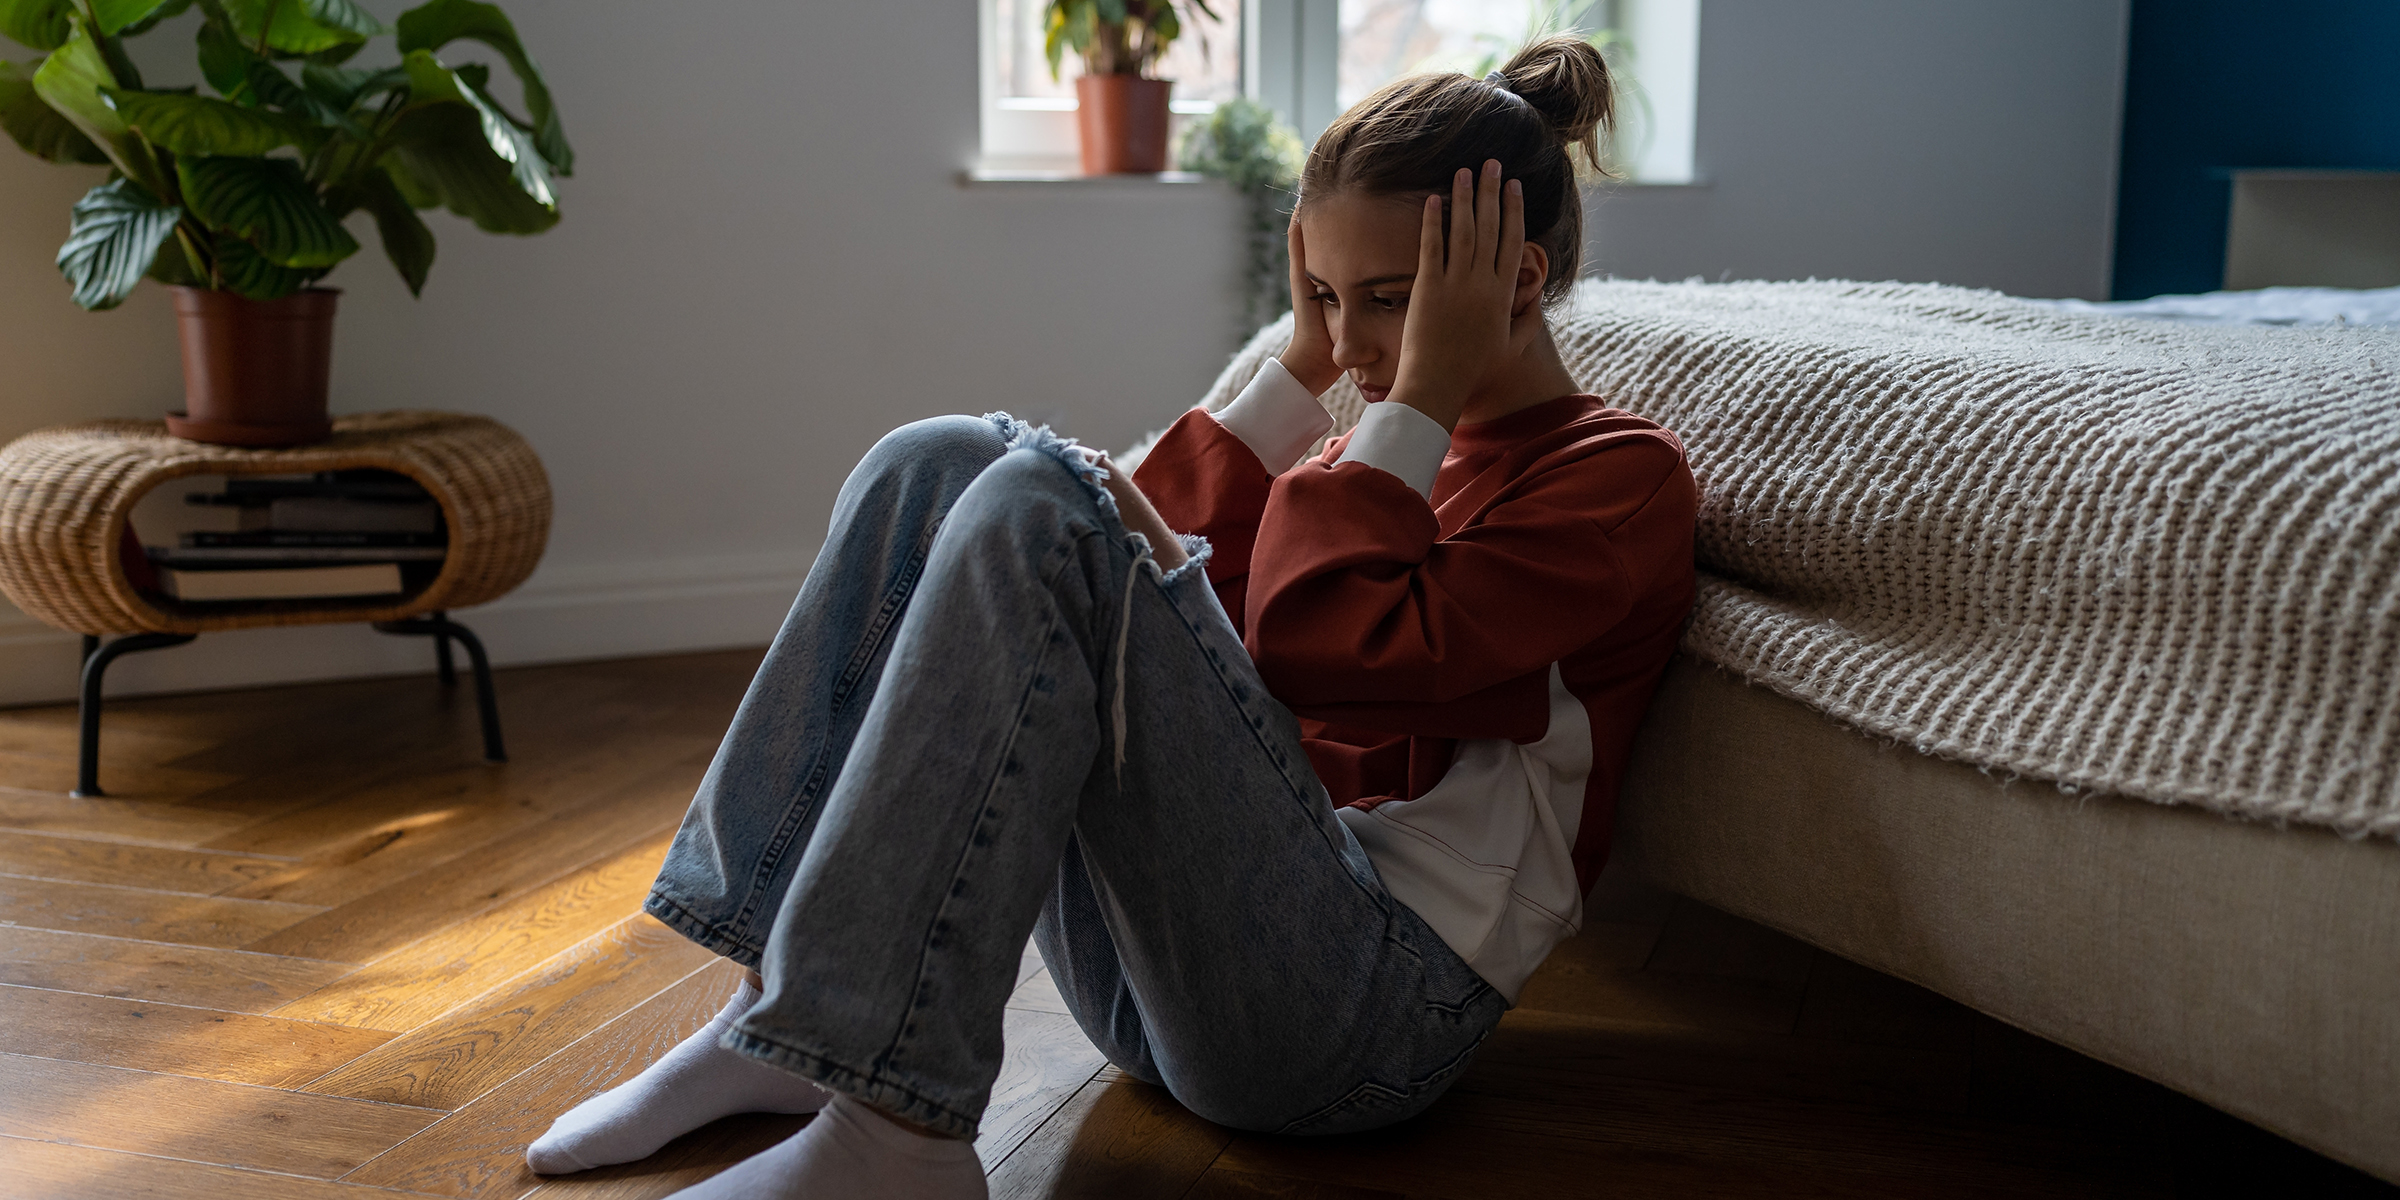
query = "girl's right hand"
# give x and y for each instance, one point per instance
(1310, 356)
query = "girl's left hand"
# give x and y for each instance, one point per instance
(1459, 319)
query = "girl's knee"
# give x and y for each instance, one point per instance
(954, 447)
(943, 438)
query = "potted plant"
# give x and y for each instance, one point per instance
(1245, 144)
(1120, 112)
(236, 200)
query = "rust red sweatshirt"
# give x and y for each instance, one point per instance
(1469, 656)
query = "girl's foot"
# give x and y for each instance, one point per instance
(851, 1151)
(696, 1082)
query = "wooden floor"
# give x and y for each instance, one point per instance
(311, 947)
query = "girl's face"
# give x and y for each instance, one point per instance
(1360, 256)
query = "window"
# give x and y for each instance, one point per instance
(1309, 59)
(1029, 118)
(1384, 39)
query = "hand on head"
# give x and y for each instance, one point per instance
(1464, 319)
(1434, 337)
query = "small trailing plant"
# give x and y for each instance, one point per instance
(1254, 152)
(1115, 37)
(245, 191)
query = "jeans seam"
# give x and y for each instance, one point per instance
(1413, 1087)
(718, 939)
(872, 1087)
(845, 688)
(1302, 795)
(891, 1055)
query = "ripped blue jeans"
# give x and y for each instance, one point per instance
(990, 714)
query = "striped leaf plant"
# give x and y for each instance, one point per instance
(243, 186)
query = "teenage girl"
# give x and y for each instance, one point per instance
(1292, 772)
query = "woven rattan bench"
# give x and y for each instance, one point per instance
(65, 495)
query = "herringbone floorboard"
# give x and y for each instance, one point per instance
(310, 946)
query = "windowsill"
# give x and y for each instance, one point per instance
(1048, 176)
(1055, 176)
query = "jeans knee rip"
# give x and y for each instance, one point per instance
(1024, 435)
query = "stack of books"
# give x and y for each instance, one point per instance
(284, 537)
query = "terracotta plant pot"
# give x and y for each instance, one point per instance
(255, 372)
(1122, 120)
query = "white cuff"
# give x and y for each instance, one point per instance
(1399, 439)
(1275, 416)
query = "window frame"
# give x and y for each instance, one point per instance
(1290, 61)
(1036, 134)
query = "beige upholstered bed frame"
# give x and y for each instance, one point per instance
(2254, 968)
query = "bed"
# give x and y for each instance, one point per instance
(2047, 655)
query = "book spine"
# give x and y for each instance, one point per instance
(274, 538)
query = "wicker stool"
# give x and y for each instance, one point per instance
(65, 494)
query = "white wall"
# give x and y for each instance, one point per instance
(767, 261)
(1967, 143)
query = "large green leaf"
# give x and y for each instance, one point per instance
(406, 240)
(267, 202)
(115, 15)
(37, 126)
(349, 16)
(436, 24)
(440, 148)
(116, 235)
(420, 194)
(69, 81)
(41, 24)
(241, 268)
(197, 125)
(173, 266)
(164, 12)
(225, 63)
(341, 88)
(270, 85)
(431, 82)
(302, 26)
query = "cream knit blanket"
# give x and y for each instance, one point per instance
(2153, 559)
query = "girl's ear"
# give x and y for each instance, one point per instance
(1533, 268)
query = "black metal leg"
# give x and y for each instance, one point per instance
(96, 658)
(486, 704)
(441, 653)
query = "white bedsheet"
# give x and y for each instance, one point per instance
(2262, 306)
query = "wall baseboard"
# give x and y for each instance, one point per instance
(612, 610)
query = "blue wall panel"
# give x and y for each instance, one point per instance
(2212, 85)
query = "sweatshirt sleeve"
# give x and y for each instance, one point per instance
(1208, 473)
(1354, 597)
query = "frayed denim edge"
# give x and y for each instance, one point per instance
(1198, 550)
(1023, 435)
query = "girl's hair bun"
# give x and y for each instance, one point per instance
(1412, 134)
(1566, 80)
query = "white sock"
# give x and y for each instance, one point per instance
(851, 1151)
(696, 1082)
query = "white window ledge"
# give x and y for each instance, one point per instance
(1056, 176)
(1012, 176)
